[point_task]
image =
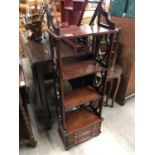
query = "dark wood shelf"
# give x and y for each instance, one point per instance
(79, 69)
(80, 31)
(80, 96)
(81, 118)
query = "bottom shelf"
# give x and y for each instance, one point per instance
(81, 125)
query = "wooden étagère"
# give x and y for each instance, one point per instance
(79, 111)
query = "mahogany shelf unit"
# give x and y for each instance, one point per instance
(79, 111)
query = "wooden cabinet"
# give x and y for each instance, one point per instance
(126, 58)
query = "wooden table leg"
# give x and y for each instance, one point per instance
(109, 91)
(23, 114)
(115, 93)
(43, 96)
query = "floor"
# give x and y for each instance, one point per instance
(117, 135)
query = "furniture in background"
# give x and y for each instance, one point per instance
(39, 58)
(25, 130)
(72, 11)
(71, 14)
(115, 70)
(113, 75)
(79, 111)
(126, 58)
(123, 14)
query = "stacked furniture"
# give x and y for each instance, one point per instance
(79, 111)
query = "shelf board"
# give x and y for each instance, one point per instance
(74, 31)
(80, 96)
(81, 118)
(79, 69)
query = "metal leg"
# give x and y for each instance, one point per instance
(115, 93)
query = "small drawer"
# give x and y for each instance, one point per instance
(84, 134)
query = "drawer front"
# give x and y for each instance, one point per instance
(84, 134)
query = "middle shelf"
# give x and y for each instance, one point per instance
(80, 96)
(79, 69)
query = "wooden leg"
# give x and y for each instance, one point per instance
(32, 143)
(104, 97)
(35, 86)
(109, 91)
(115, 93)
(43, 97)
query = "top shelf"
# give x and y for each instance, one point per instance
(80, 31)
(79, 69)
